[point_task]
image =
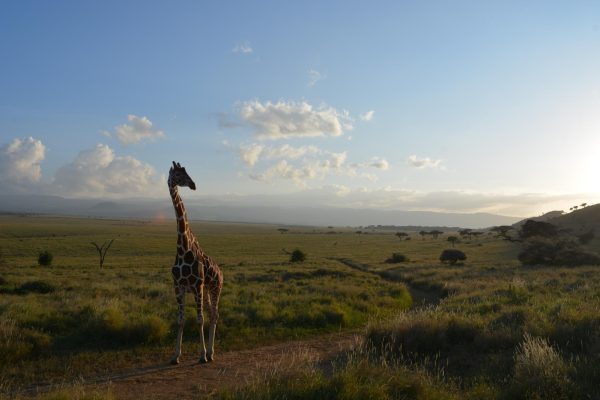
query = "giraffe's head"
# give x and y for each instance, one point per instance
(178, 177)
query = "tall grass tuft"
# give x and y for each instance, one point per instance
(539, 371)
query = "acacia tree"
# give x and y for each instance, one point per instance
(435, 233)
(102, 250)
(452, 240)
(423, 233)
(401, 235)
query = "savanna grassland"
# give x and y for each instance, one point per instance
(491, 328)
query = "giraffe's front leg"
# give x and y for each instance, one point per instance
(198, 298)
(180, 293)
(213, 305)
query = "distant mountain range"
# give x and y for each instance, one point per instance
(211, 209)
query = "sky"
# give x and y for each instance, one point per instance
(462, 106)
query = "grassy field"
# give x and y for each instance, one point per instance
(500, 330)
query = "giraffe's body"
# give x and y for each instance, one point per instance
(193, 271)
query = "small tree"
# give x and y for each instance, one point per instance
(102, 250)
(423, 233)
(45, 258)
(583, 205)
(452, 240)
(297, 256)
(283, 230)
(451, 256)
(401, 235)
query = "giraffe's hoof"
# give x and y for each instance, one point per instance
(210, 357)
(202, 360)
(174, 360)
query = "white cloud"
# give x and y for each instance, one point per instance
(250, 153)
(291, 152)
(376, 162)
(287, 119)
(425, 162)
(243, 48)
(99, 172)
(20, 161)
(138, 129)
(314, 76)
(367, 116)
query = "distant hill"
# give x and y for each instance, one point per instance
(234, 210)
(581, 220)
(547, 217)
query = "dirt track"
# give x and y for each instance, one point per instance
(191, 380)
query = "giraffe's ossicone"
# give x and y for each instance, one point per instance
(193, 271)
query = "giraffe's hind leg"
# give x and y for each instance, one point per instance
(198, 297)
(212, 296)
(180, 294)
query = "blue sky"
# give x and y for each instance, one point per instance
(455, 106)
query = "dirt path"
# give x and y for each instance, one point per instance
(190, 380)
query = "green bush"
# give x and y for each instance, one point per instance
(45, 258)
(297, 256)
(397, 258)
(452, 256)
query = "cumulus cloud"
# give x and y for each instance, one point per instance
(288, 119)
(313, 168)
(314, 76)
(250, 153)
(20, 161)
(425, 162)
(367, 116)
(243, 48)
(137, 130)
(99, 172)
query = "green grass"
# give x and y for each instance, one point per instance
(501, 330)
(62, 316)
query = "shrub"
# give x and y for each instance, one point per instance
(152, 329)
(396, 258)
(533, 228)
(45, 258)
(2, 281)
(586, 237)
(551, 252)
(297, 256)
(35, 287)
(452, 256)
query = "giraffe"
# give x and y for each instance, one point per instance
(193, 271)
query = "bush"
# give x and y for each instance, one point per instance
(396, 258)
(561, 252)
(45, 258)
(452, 256)
(297, 256)
(533, 228)
(35, 287)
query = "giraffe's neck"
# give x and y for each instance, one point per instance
(185, 237)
